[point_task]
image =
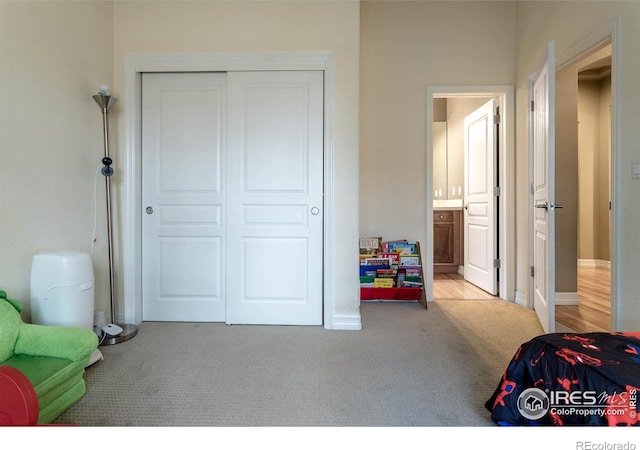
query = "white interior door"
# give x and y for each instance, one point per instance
(480, 239)
(542, 142)
(275, 200)
(183, 157)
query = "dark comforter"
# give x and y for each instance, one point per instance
(571, 379)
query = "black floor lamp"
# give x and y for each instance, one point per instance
(115, 333)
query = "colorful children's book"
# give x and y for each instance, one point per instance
(409, 260)
(370, 245)
(394, 258)
(364, 257)
(404, 249)
(413, 271)
(378, 261)
(371, 271)
(385, 273)
(389, 246)
(383, 283)
(401, 275)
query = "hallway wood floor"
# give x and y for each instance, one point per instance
(593, 312)
(452, 286)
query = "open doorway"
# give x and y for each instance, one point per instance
(590, 308)
(447, 109)
(450, 235)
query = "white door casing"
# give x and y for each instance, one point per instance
(136, 64)
(480, 179)
(506, 176)
(610, 33)
(183, 179)
(542, 156)
(275, 198)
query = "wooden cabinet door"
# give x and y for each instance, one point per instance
(447, 240)
(443, 243)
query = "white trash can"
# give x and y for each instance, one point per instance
(62, 289)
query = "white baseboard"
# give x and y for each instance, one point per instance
(566, 298)
(347, 322)
(599, 263)
(562, 299)
(521, 299)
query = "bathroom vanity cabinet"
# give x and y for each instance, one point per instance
(447, 240)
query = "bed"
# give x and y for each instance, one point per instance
(570, 379)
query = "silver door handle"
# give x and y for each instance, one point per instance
(544, 206)
(315, 211)
(547, 206)
(149, 210)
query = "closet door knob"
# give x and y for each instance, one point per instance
(149, 210)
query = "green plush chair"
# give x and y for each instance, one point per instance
(53, 358)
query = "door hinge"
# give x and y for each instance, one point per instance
(532, 108)
(496, 119)
(533, 189)
(496, 264)
(496, 191)
(531, 271)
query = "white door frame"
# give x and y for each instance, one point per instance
(610, 33)
(135, 66)
(506, 177)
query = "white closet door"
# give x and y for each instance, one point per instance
(183, 178)
(275, 200)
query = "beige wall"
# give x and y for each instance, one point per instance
(406, 47)
(588, 137)
(594, 102)
(566, 177)
(603, 178)
(569, 23)
(53, 55)
(246, 26)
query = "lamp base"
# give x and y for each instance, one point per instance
(128, 332)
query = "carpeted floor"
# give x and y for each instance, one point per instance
(407, 367)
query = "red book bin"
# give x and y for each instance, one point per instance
(400, 294)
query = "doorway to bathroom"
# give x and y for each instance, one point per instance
(471, 176)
